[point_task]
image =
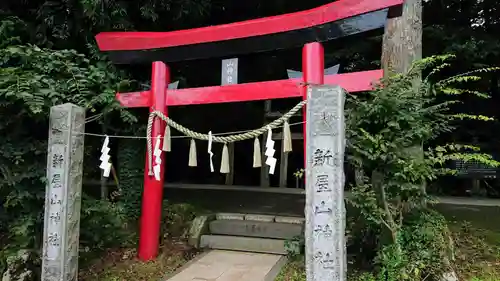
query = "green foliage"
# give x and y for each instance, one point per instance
(294, 270)
(131, 156)
(33, 79)
(299, 173)
(104, 224)
(9, 31)
(59, 24)
(47, 77)
(295, 246)
(392, 134)
(177, 218)
(39, 78)
(420, 251)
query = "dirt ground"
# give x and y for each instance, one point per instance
(122, 264)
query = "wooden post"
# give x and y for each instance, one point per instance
(264, 170)
(325, 210)
(229, 76)
(63, 193)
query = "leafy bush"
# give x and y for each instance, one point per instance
(104, 224)
(177, 218)
(33, 79)
(295, 246)
(422, 247)
(391, 132)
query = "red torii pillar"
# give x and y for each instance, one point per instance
(153, 189)
(159, 98)
(313, 67)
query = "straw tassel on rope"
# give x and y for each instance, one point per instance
(149, 129)
(221, 139)
(166, 139)
(287, 138)
(257, 157)
(224, 164)
(193, 160)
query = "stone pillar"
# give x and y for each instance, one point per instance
(63, 193)
(325, 209)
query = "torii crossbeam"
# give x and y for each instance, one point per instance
(307, 28)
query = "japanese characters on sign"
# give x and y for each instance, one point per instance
(325, 211)
(56, 174)
(229, 73)
(63, 193)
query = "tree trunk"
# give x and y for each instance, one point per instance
(402, 45)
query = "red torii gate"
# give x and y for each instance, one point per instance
(306, 28)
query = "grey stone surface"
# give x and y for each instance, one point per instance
(63, 193)
(256, 229)
(293, 220)
(199, 226)
(275, 271)
(325, 210)
(230, 216)
(219, 265)
(245, 244)
(256, 217)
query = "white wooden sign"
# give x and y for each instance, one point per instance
(325, 210)
(229, 74)
(63, 193)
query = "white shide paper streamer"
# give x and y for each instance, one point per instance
(105, 164)
(157, 153)
(270, 161)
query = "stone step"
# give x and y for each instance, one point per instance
(260, 229)
(244, 244)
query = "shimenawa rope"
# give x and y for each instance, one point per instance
(221, 139)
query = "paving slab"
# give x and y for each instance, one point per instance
(221, 265)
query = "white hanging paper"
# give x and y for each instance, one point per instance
(157, 153)
(105, 164)
(270, 161)
(210, 140)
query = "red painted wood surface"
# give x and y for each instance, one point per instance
(289, 88)
(342, 9)
(152, 197)
(313, 67)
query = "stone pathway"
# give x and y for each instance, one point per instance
(218, 265)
